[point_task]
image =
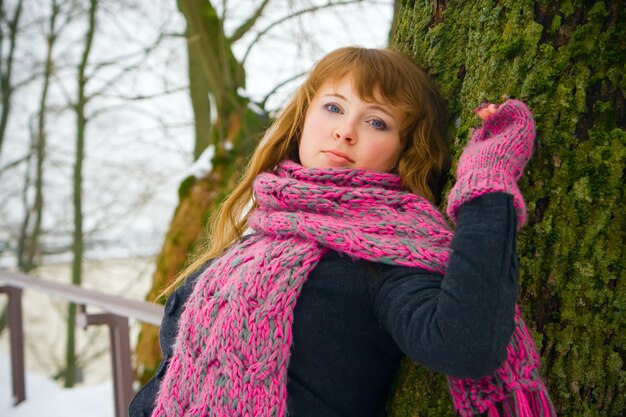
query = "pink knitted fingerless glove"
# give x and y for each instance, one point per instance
(495, 158)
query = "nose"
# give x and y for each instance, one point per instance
(345, 131)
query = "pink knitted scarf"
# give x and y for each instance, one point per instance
(233, 345)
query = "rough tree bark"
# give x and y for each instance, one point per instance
(566, 59)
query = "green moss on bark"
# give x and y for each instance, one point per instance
(566, 60)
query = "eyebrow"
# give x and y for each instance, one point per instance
(371, 106)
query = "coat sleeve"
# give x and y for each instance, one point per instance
(459, 323)
(142, 404)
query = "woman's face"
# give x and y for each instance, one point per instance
(341, 130)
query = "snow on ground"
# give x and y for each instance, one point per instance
(45, 398)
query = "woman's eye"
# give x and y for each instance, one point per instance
(333, 108)
(378, 124)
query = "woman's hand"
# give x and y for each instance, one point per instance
(495, 156)
(486, 110)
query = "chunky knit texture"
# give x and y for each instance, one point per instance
(233, 346)
(495, 158)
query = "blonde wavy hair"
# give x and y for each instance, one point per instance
(376, 74)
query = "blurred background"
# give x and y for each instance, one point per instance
(111, 112)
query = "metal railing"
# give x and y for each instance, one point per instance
(117, 312)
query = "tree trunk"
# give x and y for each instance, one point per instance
(7, 68)
(215, 75)
(566, 60)
(28, 244)
(78, 243)
(199, 90)
(6, 91)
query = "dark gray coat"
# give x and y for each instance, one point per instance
(354, 320)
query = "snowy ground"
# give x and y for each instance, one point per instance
(45, 398)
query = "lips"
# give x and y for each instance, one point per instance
(338, 155)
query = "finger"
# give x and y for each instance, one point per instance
(488, 111)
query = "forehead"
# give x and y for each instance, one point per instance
(349, 86)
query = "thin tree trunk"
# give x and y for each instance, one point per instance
(567, 63)
(29, 239)
(23, 237)
(5, 79)
(78, 244)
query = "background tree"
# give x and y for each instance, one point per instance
(566, 59)
(30, 231)
(84, 100)
(10, 25)
(78, 237)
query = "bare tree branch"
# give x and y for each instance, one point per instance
(291, 16)
(249, 23)
(143, 52)
(278, 86)
(125, 70)
(141, 97)
(15, 163)
(123, 106)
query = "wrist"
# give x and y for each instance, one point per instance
(476, 183)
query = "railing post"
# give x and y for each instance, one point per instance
(119, 334)
(16, 342)
(117, 311)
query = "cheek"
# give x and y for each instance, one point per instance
(313, 122)
(387, 155)
(302, 151)
(311, 138)
(305, 147)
